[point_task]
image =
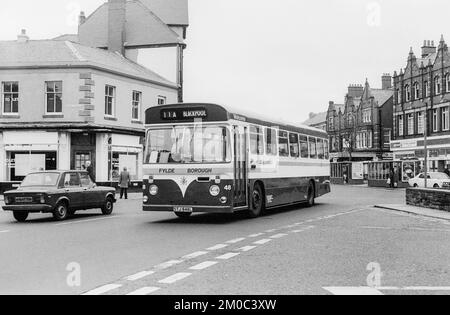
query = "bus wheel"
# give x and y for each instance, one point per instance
(258, 202)
(183, 215)
(311, 196)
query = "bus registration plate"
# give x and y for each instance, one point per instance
(183, 209)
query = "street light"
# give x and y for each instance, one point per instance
(425, 143)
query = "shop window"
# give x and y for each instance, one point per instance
(119, 160)
(21, 164)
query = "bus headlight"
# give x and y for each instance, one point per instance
(153, 190)
(214, 190)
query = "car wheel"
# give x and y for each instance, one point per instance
(61, 212)
(436, 186)
(311, 195)
(416, 186)
(257, 205)
(183, 215)
(108, 207)
(20, 216)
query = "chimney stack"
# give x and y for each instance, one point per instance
(428, 48)
(386, 83)
(116, 25)
(23, 37)
(355, 90)
(81, 18)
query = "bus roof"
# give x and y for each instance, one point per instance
(208, 112)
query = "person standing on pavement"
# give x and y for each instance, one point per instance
(396, 177)
(124, 183)
(90, 170)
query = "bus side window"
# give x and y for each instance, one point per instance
(293, 145)
(320, 149)
(283, 143)
(271, 141)
(327, 150)
(256, 140)
(304, 147)
(312, 148)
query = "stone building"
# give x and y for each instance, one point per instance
(422, 105)
(65, 101)
(360, 129)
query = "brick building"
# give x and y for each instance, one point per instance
(360, 129)
(422, 104)
(64, 103)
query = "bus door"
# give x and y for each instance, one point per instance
(240, 166)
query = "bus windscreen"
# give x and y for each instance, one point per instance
(188, 145)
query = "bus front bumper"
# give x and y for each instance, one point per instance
(189, 209)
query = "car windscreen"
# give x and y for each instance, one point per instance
(188, 145)
(40, 179)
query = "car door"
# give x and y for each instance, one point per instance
(73, 189)
(89, 192)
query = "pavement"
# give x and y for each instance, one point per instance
(425, 212)
(343, 245)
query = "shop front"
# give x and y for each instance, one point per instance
(22, 152)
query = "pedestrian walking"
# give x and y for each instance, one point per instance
(90, 170)
(124, 183)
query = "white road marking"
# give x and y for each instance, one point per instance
(247, 248)
(7, 231)
(204, 265)
(278, 236)
(303, 229)
(194, 255)
(271, 231)
(139, 275)
(353, 291)
(216, 247)
(235, 241)
(87, 221)
(168, 264)
(104, 289)
(262, 242)
(228, 256)
(256, 235)
(174, 278)
(145, 291)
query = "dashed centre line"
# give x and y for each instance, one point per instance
(195, 255)
(227, 256)
(247, 248)
(104, 289)
(144, 291)
(277, 236)
(204, 265)
(140, 275)
(175, 278)
(235, 241)
(168, 264)
(262, 242)
(256, 235)
(217, 247)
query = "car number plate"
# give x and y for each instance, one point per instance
(183, 209)
(24, 199)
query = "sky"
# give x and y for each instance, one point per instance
(280, 58)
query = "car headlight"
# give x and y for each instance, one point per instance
(145, 199)
(214, 190)
(42, 199)
(7, 200)
(153, 190)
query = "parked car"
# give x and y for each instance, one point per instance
(435, 180)
(61, 193)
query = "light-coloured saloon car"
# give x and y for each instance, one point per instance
(435, 180)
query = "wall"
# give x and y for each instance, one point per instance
(124, 90)
(32, 94)
(437, 199)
